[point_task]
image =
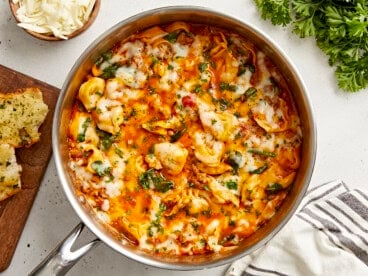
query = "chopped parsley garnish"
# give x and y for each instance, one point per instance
(106, 139)
(82, 136)
(109, 72)
(154, 61)
(202, 67)
(244, 67)
(231, 185)
(195, 226)
(262, 152)
(104, 57)
(118, 151)
(151, 179)
(156, 223)
(197, 88)
(273, 188)
(250, 92)
(176, 136)
(234, 160)
(226, 86)
(100, 168)
(259, 170)
(224, 104)
(171, 37)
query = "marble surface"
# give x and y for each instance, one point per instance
(341, 122)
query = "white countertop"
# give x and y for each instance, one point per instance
(342, 125)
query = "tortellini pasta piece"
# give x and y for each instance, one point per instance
(289, 158)
(230, 68)
(117, 90)
(91, 91)
(131, 76)
(257, 184)
(172, 156)
(220, 169)
(197, 204)
(153, 162)
(110, 115)
(222, 193)
(161, 127)
(221, 125)
(194, 200)
(207, 150)
(95, 157)
(270, 118)
(82, 129)
(214, 235)
(115, 155)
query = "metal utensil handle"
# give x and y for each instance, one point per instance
(62, 259)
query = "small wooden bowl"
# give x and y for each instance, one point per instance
(50, 36)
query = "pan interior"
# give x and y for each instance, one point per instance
(191, 15)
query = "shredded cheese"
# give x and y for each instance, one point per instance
(61, 18)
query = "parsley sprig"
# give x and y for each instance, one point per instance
(340, 28)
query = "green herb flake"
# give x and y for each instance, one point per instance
(100, 168)
(110, 71)
(156, 223)
(195, 226)
(154, 61)
(273, 188)
(118, 151)
(226, 86)
(177, 135)
(104, 57)
(171, 37)
(202, 67)
(197, 88)
(106, 139)
(81, 137)
(262, 152)
(151, 179)
(231, 185)
(224, 104)
(234, 160)
(260, 170)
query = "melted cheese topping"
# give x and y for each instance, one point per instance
(191, 142)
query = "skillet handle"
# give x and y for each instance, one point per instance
(62, 259)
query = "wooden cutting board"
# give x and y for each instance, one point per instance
(34, 160)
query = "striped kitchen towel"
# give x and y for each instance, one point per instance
(327, 236)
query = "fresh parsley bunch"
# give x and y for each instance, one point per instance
(340, 28)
